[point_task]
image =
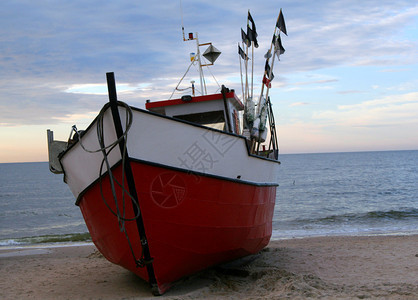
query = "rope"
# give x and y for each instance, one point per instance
(213, 76)
(182, 78)
(103, 148)
(119, 213)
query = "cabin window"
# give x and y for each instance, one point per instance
(213, 119)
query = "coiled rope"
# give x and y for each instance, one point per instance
(106, 149)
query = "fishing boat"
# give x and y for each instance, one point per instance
(182, 185)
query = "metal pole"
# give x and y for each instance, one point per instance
(200, 66)
(111, 87)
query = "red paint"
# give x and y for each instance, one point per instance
(191, 222)
(211, 97)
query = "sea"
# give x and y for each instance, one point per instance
(327, 194)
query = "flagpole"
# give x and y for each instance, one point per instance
(271, 72)
(276, 43)
(265, 72)
(240, 72)
(264, 75)
(252, 69)
(246, 74)
(253, 141)
(256, 143)
(252, 57)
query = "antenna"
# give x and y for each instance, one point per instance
(182, 25)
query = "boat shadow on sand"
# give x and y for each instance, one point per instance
(263, 275)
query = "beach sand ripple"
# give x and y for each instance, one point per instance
(381, 267)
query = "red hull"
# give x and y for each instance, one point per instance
(192, 222)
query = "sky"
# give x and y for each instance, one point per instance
(348, 80)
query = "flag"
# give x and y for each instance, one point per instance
(245, 39)
(277, 43)
(251, 20)
(252, 31)
(252, 36)
(267, 81)
(267, 69)
(280, 23)
(278, 47)
(242, 53)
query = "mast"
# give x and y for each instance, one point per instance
(201, 75)
(211, 54)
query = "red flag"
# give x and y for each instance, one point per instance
(266, 81)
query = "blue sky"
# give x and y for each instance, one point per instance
(348, 80)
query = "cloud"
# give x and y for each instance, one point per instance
(315, 82)
(101, 89)
(399, 70)
(366, 33)
(409, 85)
(386, 111)
(385, 123)
(47, 50)
(299, 104)
(350, 92)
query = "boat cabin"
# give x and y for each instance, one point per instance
(220, 111)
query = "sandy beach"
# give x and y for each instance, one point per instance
(377, 267)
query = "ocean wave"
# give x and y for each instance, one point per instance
(355, 218)
(47, 239)
(404, 214)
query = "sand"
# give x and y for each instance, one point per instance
(377, 267)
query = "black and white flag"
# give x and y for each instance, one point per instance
(242, 53)
(245, 38)
(268, 70)
(278, 47)
(252, 31)
(280, 23)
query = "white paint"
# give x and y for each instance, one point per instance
(172, 143)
